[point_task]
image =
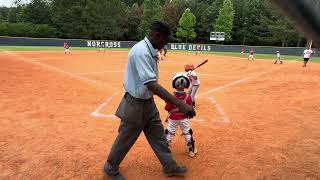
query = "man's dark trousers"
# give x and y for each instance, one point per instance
(139, 115)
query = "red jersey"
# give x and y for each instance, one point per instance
(175, 114)
(252, 52)
(66, 45)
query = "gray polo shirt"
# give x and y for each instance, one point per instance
(142, 68)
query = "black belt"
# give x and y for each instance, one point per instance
(128, 96)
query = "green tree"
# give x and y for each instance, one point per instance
(224, 22)
(17, 14)
(69, 18)
(239, 27)
(170, 15)
(205, 12)
(26, 30)
(151, 12)
(131, 2)
(186, 25)
(133, 19)
(38, 12)
(105, 19)
(274, 29)
(4, 11)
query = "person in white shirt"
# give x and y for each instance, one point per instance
(194, 82)
(306, 56)
(278, 58)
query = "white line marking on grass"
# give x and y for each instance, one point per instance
(237, 82)
(223, 115)
(53, 68)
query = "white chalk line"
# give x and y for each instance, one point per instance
(122, 71)
(237, 82)
(99, 72)
(54, 68)
(225, 118)
(97, 113)
(215, 75)
(103, 72)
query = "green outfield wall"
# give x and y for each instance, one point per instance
(13, 41)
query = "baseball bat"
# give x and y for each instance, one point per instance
(199, 65)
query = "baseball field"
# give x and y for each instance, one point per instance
(255, 119)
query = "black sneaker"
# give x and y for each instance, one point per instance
(113, 175)
(116, 176)
(178, 171)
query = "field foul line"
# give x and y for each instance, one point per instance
(96, 113)
(54, 69)
(215, 75)
(122, 71)
(237, 82)
(99, 72)
(103, 72)
(225, 118)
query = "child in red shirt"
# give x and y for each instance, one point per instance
(176, 118)
(251, 54)
(66, 48)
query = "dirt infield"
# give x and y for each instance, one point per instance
(255, 120)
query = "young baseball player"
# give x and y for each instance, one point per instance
(102, 49)
(251, 54)
(66, 47)
(198, 51)
(278, 58)
(242, 51)
(175, 118)
(306, 56)
(194, 82)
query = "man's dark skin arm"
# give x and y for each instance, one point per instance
(158, 90)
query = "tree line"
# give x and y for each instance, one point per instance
(247, 22)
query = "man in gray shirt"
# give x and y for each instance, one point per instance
(137, 109)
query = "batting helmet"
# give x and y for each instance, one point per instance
(188, 67)
(180, 80)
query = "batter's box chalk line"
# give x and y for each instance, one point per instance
(97, 113)
(223, 117)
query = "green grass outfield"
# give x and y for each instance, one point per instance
(233, 54)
